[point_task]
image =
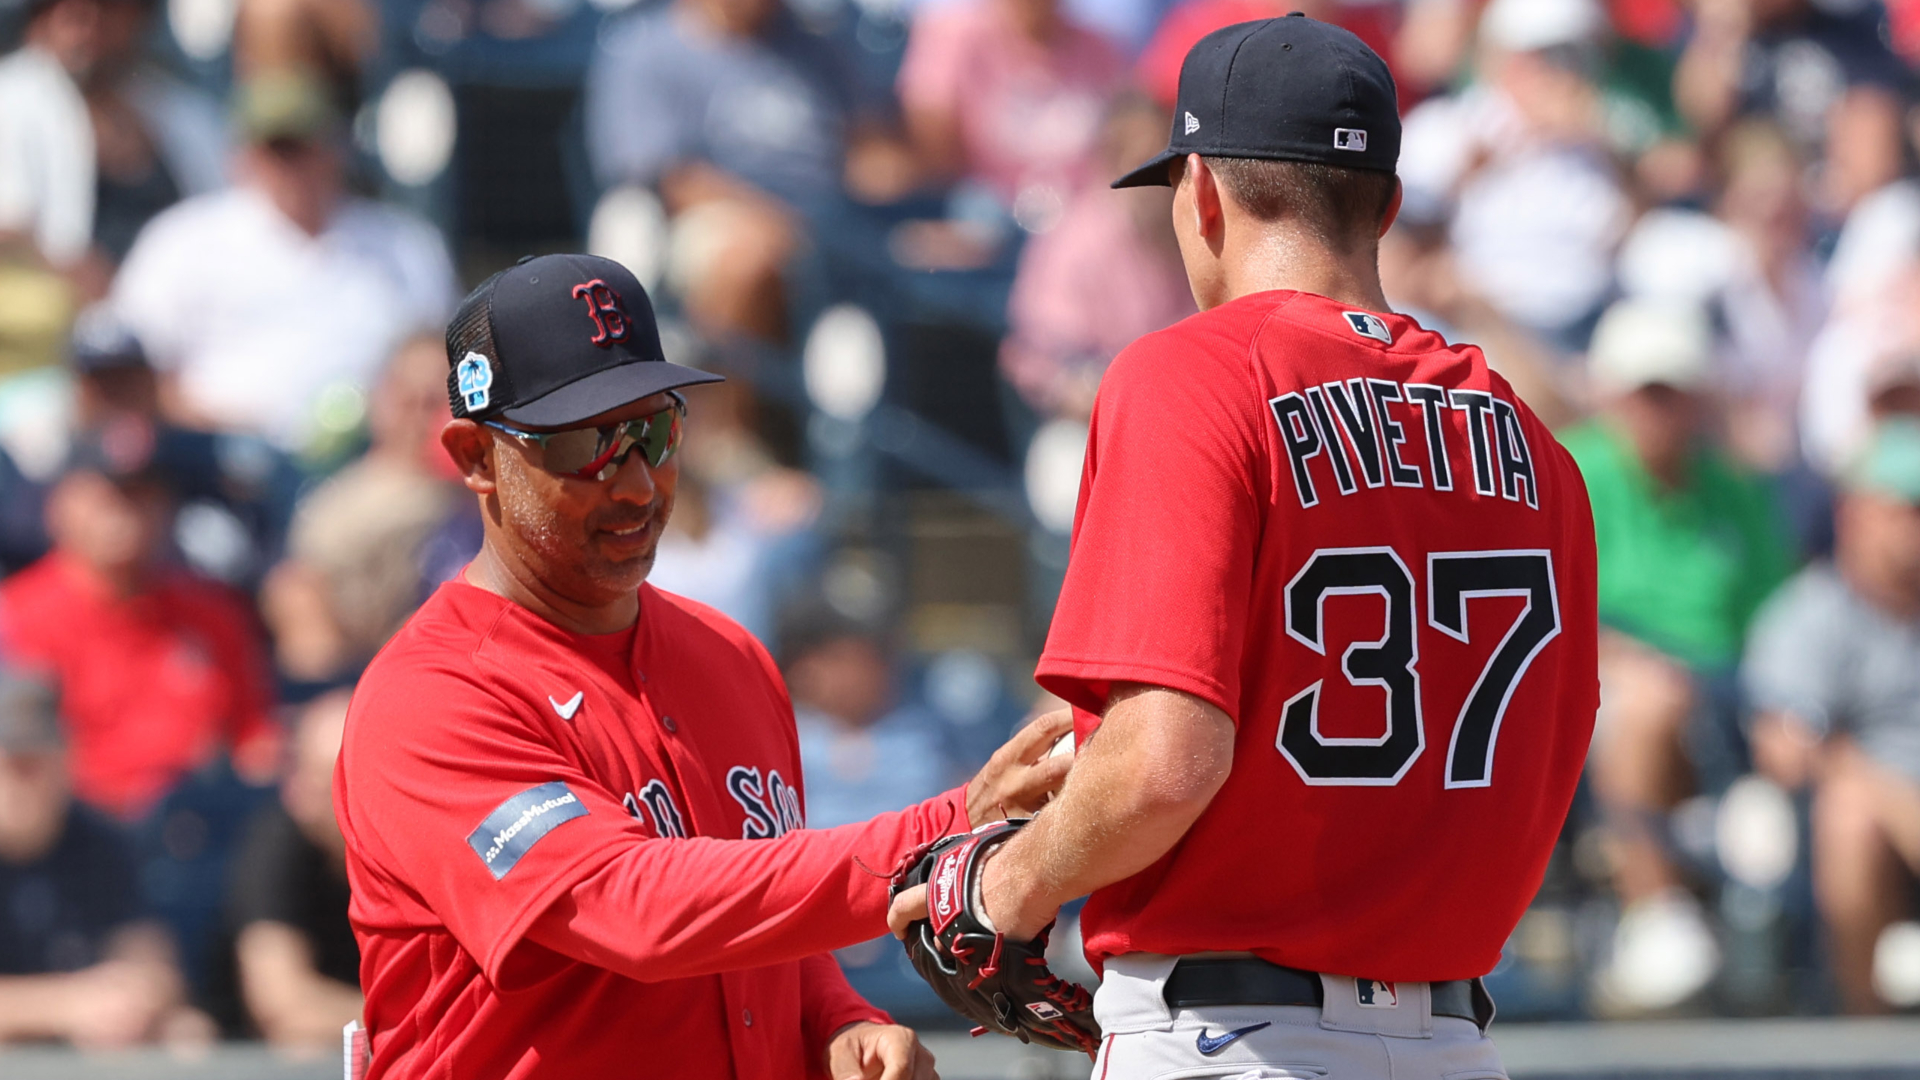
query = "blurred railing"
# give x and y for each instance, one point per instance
(1800, 1049)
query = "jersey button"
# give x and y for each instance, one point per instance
(746, 1017)
(667, 722)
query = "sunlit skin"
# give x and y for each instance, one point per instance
(573, 551)
(1228, 253)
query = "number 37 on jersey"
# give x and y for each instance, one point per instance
(1457, 583)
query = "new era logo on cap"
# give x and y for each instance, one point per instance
(1192, 124)
(1353, 139)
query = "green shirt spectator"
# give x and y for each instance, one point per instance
(1682, 568)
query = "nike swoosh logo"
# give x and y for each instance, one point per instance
(1213, 1044)
(572, 706)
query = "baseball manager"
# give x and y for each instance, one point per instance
(572, 802)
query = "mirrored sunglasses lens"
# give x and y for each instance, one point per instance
(661, 437)
(573, 451)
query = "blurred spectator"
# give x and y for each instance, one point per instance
(23, 530)
(1518, 163)
(742, 549)
(332, 40)
(297, 963)
(862, 751)
(1157, 72)
(78, 962)
(1008, 94)
(1109, 272)
(235, 492)
(254, 303)
(1833, 670)
(1689, 546)
(741, 118)
(1792, 59)
(1750, 264)
(354, 567)
(162, 669)
(93, 142)
(1870, 187)
(1863, 366)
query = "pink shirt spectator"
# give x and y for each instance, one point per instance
(1028, 112)
(1085, 289)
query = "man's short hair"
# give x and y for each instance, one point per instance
(1342, 207)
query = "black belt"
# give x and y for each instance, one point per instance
(1200, 982)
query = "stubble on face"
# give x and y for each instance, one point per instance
(558, 524)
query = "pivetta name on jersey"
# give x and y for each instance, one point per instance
(1352, 428)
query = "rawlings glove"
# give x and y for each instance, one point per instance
(1000, 985)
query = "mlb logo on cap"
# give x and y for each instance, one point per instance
(1353, 139)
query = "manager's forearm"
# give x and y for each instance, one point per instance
(671, 909)
(1158, 759)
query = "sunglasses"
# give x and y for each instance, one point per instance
(594, 453)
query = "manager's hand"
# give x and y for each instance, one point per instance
(869, 1051)
(1019, 778)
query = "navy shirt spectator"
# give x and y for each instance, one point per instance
(769, 105)
(78, 961)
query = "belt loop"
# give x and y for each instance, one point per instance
(1483, 1009)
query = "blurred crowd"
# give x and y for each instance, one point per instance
(1688, 231)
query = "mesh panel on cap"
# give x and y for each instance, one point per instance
(471, 331)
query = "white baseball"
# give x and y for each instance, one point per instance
(1062, 746)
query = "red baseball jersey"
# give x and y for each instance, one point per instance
(1356, 541)
(578, 856)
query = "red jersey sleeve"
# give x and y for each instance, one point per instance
(1166, 529)
(454, 798)
(451, 796)
(827, 1004)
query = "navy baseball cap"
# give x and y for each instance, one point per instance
(556, 339)
(101, 342)
(1286, 89)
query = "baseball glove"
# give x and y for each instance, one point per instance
(1000, 985)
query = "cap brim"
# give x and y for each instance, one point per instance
(1153, 173)
(606, 390)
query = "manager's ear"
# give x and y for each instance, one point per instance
(471, 448)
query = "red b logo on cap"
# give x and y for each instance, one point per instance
(610, 322)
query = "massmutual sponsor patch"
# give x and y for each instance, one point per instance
(519, 823)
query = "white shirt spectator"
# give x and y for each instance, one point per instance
(1766, 327)
(1879, 241)
(47, 175)
(255, 318)
(1534, 223)
(46, 156)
